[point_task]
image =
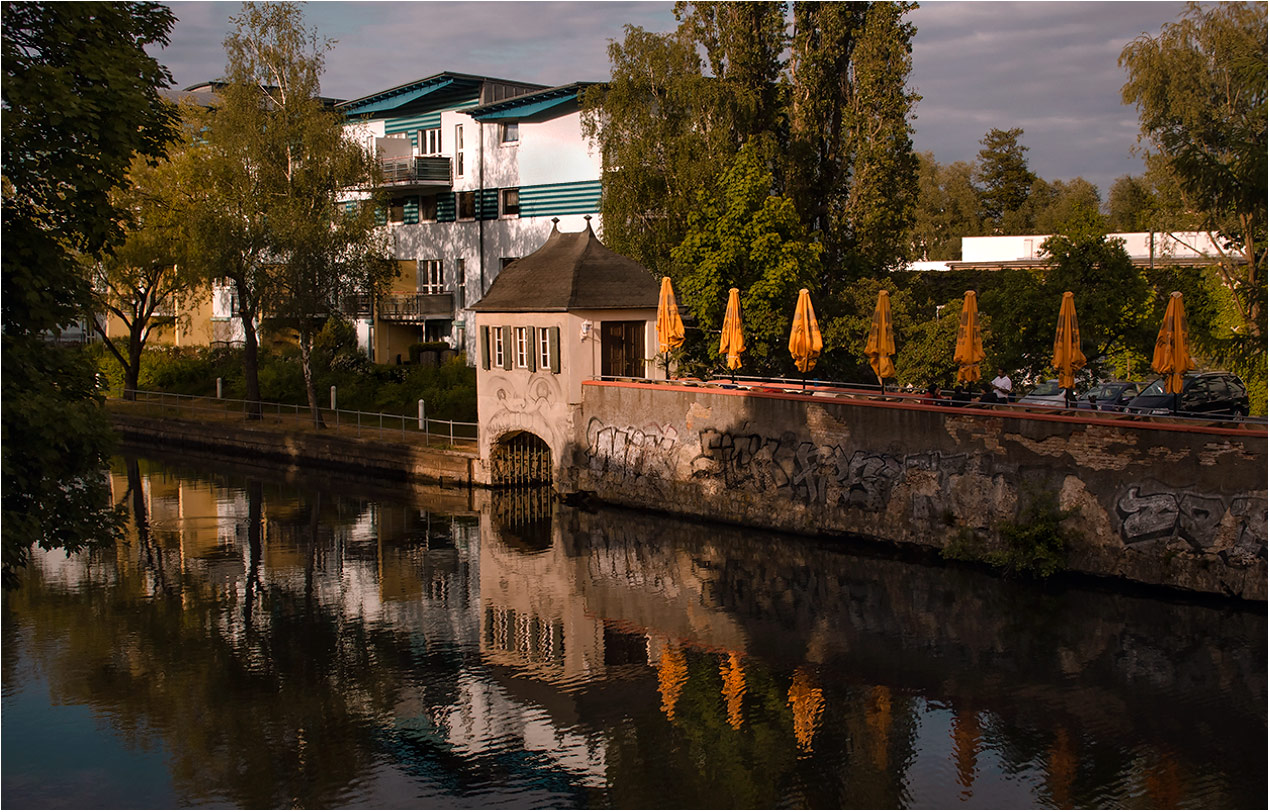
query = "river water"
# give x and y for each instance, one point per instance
(267, 639)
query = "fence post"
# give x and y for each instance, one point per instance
(219, 388)
(422, 418)
(332, 397)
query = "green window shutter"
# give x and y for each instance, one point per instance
(508, 350)
(446, 208)
(532, 355)
(410, 210)
(381, 216)
(485, 347)
(487, 204)
(553, 347)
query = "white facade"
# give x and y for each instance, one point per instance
(1139, 245)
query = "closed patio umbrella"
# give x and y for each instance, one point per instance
(670, 327)
(1172, 358)
(969, 350)
(732, 342)
(1067, 355)
(805, 341)
(881, 343)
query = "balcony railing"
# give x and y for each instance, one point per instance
(416, 306)
(432, 171)
(356, 306)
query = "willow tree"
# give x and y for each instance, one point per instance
(1200, 90)
(272, 164)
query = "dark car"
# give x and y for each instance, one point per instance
(1111, 396)
(1204, 393)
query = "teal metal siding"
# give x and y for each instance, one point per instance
(410, 210)
(446, 208)
(554, 199)
(487, 204)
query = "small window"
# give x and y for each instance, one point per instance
(430, 141)
(509, 203)
(460, 284)
(498, 347)
(428, 208)
(458, 165)
(510, 132)
(467, 205)
(397, 210)
(544, 349)
(522, 347)
(430, 278)
(458, 137)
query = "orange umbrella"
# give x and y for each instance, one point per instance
(881, 344)
(1172, 359)
(805, 341)
(732, 341)
(670, 327)
(1067, 355)
(969, 350)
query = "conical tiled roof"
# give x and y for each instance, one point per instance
(571, 271)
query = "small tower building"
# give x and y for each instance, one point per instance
(569, 312)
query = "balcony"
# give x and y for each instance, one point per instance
(357, 306)
(413, 172)
(416, 307)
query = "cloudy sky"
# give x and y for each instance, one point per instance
(1049, 68)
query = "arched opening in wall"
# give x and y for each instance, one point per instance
(520, 459)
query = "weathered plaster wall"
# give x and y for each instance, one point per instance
(1154, 504)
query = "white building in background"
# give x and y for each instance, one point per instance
(477, 170)
(1146, 249)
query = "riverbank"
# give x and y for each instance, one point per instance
(409, 458)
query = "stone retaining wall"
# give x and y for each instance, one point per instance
(394, 460)
(1183, 507)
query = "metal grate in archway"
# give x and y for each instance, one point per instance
(520, 459)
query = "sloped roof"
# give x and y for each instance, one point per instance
(530, 104)
(571, 271)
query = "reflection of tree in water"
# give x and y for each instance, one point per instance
(271, 700)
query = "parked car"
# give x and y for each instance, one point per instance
(1046, 393)
(1111, 396)
(1203, 393)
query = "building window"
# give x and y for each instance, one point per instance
(430, 141)
(430, 279)
(428, 208)
(509, 132)
(498, 347)
(509, 203)
(458, 150)
(397, 210)
(522, 347)
(467, 205)
(460, 284)
(544, 349)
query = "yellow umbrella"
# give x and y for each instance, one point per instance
(1172, 359)
(805, 342)
(732, 341)
(670, 328)
(969, 350)
(1067, 355)
(881, 344)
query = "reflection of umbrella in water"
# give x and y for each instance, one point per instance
(1172, 358)
(732, 342)
(1067, 355)
(881, 344)
(805, 341)
(969, 350)
(670, 327)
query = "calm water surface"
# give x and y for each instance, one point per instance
(263, 640)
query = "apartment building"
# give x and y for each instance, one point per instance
(476, 168)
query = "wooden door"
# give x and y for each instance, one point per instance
(622, 349)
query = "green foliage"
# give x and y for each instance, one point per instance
(1002, 178)
(925, 356)
(80, 98)
(745, 237)
(947, 209)
(1200, 90)
(1037, 543)
(847, 332)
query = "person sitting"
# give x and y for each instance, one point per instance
(960, 395)
(989, 396)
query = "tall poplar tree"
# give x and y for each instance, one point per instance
(1003, 179)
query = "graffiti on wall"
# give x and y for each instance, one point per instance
(1150, 513)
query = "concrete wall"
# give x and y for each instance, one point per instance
(1154, 503)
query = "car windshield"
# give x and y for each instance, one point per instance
(1047, 388)
(1107, 391)
(1156, 388)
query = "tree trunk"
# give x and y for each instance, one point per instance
(132, 369)
(251, 357)
(306, 357)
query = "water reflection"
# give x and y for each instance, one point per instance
(272, 641)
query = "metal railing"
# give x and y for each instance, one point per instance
(379, 425)
(416, 171)
(943, 397)
(409, 306)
